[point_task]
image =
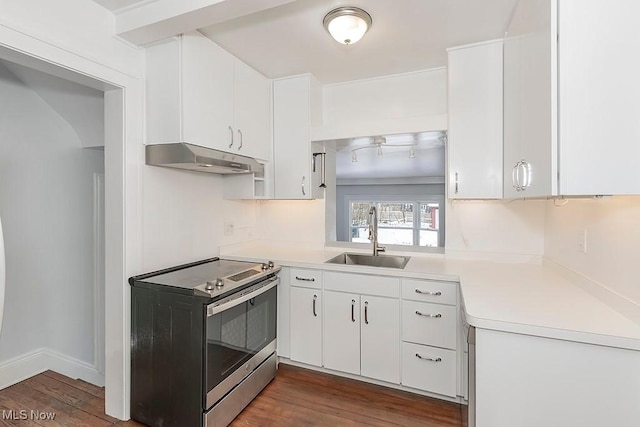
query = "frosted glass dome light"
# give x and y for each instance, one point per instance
(347, 25)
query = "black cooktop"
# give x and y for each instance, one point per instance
(191, 278)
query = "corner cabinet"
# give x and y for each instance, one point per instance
(475, 121)
(570, 99)
(199, 93)
(297, 105)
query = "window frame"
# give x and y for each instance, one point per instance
(417, 224)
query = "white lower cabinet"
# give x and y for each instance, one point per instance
(358, 324)
(380, 338)
(341, 344)
(306, 325)
(362, 335)
(429, 368)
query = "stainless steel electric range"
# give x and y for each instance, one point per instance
(203, 341)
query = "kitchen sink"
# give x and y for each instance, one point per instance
(387, 261)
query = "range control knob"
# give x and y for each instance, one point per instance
(271, 265)
(265, 266)
(212, 284)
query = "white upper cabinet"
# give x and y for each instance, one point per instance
(475, 121)
(297, 105)
(201, 94)
(571, 99)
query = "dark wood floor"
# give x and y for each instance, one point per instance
(297, 397)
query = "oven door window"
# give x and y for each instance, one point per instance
(237, 334)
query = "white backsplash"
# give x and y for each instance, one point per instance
(613, 241)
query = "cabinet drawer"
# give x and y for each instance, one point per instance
(431, 324)
(430, 291)
(306, 278)
(428, 368)
(362, 284)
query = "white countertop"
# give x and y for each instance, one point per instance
(526, 298)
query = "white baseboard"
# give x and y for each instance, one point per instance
(73, 368)
(33, 363)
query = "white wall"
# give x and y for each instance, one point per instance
(82, 27)
(515, 227)
(80, 106)
(403, 103)
(46, 203)
(76, 38)
(293, 221)
(613, 241)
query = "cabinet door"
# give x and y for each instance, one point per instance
(251, 112)
(207, 92)
(380, 338)
(475, 121)
(530, 101)
(306, 326)
(341, 342)
(292, 146)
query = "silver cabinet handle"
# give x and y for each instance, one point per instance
(366, 317)
(516, 176)
(315, 297)
(231, 132)
(437, 293)
(526, 174)
(240, 133)
(513, 177)
(304, 279)
(435, 316)
(303, 192)
(456, 183)
(353, 310)
(429, 359)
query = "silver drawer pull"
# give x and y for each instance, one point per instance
(437, 293)
(435, 316)
(304, 279)
(428, 359)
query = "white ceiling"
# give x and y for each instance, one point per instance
(406, 35)
(114, 5)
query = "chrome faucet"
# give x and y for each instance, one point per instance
(373, 231)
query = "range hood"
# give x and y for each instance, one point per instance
(181, 155)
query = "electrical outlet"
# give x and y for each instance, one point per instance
(228, 228)
(582, 241)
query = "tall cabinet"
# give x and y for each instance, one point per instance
(475, 121)
(297, 105)
(571, 99)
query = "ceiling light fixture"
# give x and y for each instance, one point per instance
(378, 143)
(347, 24)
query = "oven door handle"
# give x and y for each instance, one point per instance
(247, 294)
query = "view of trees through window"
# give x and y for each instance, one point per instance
(414, 223)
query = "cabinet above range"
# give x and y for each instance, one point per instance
(200, 94)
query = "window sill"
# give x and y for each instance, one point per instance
(422, 250)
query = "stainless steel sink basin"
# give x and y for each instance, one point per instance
(387, 261)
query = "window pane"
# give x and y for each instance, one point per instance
(429, 217)
(429, 238)
(395, 236)
(395, 214)
(360, 214)
(360, 234)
